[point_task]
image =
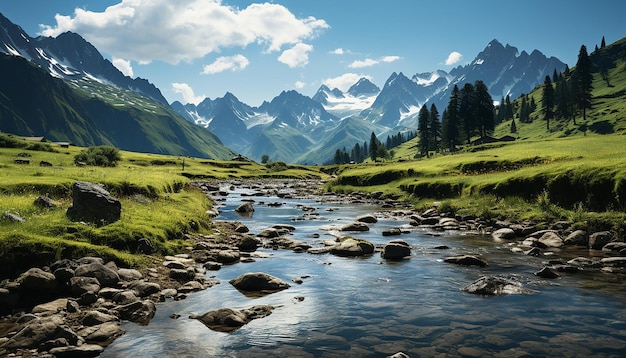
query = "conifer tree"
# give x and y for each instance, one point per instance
(583, 81)
(509, 108)
(373, 147)
(547, 100)
(603, 44)
(513, 126)
(451, 132)
(423, 120)
(467, 111)
(483, 104)
(435, 128)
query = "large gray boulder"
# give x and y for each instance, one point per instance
(599, 239)
(92, 203)
(36, 280)
(466, 260)
(396, 250)
(229, 320)
(496, 286)
(259, 282)
(352, 247)
(105, 275)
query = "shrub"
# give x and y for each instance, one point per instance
(277, 166)
(101, 156)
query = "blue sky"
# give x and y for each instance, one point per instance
(193, 49)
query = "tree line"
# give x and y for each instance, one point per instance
(374, 150)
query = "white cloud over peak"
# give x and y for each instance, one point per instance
(187, 93)
(175, 31)
(453, 58)
(124, 66)
(345, 81)
(299, 84)
(226, 63)
(368, 62)
(297, 56)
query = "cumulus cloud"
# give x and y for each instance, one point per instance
(299, 84)
(337, 51)
(187, 93)
(368, 62)
(183, 30)
(226, 63)
(124, 66)
(453, 58)
(297, 56)
(345, 81)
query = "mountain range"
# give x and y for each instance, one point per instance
(76, 95)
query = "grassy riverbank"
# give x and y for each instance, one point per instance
(581, 179)
(157, 202)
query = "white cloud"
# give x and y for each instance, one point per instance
(453, 58)
(345, 81)
(390, 58)
(124, 66)
(297, 56)
(337, 51)
(299, 84)
(183, 30)
(225, 63)
(187, 93)
(368, 62)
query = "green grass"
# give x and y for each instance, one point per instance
(157, 203)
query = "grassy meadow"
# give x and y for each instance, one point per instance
(157, 202)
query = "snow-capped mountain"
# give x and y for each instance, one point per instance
(70, 57)
(359, 96)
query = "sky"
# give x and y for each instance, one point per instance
(193, 49)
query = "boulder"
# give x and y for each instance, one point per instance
(106, 276)
(12, 217)
(145, 246)
(551, 239)
(355, 226)
(248, 243)
(144, 288)
(84, 350)
(102, 333)
(36, 280)
(140, 312)
(466, 260)
(546, 272)
(392, 232)
(94, 318)
(126, 274)
(259, 282)
(504, 234)
(81, 285)
(228, 256)
(92, 203)
(578, 237)
(44, 202)
(35, 332)
(618, 261)
(352, 247)
(55, 306)
(396, 250)
(368, 219)
(614, 247)
(495, 286)
(599, 239)
(245, 208)
(269, 233)
(229, 320)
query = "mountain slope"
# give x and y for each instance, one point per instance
(32, 103)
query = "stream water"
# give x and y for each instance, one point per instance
(365, 307)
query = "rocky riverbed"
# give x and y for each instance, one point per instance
(75, 307)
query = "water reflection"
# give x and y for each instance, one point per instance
(364, 307)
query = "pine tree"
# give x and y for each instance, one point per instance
(523, 112)
(373, 147)
(435, 128)
(483, 109)
(423, 120)
(513, 126)
(603, 44)
(451, 131)
(467, 111)
(583, 79)
(509, 108)
(547, 100)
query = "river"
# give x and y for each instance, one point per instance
(366, 307)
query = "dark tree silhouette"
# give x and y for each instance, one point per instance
(583, 79)
(547, 100)
(423, 130)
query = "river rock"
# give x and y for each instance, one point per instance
(144, 288)
(248, 243)
(614, 247)
(245, 208)
(106, 276)
(355, 226)
(259, 282)
(80, 285)
(546, 272)
(495, 286)
(614, 261)
(466, 260)
(84, 350)
(229, 320)
(92, 203)
(578, 237)
(599, 239)
(228, 256)
(145, 246)
(94, 318)
(396, 250)
(126, 274)
(504, 234)
(269, 233)
(352, 247)
(368, 219)
(392, 232)
(55, 306)
(36, 280)
(551, 239)
(35, 332)
(102, 333)
(140, 312)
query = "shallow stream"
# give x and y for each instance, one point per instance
(366, 307)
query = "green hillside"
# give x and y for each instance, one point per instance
(88, 112)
